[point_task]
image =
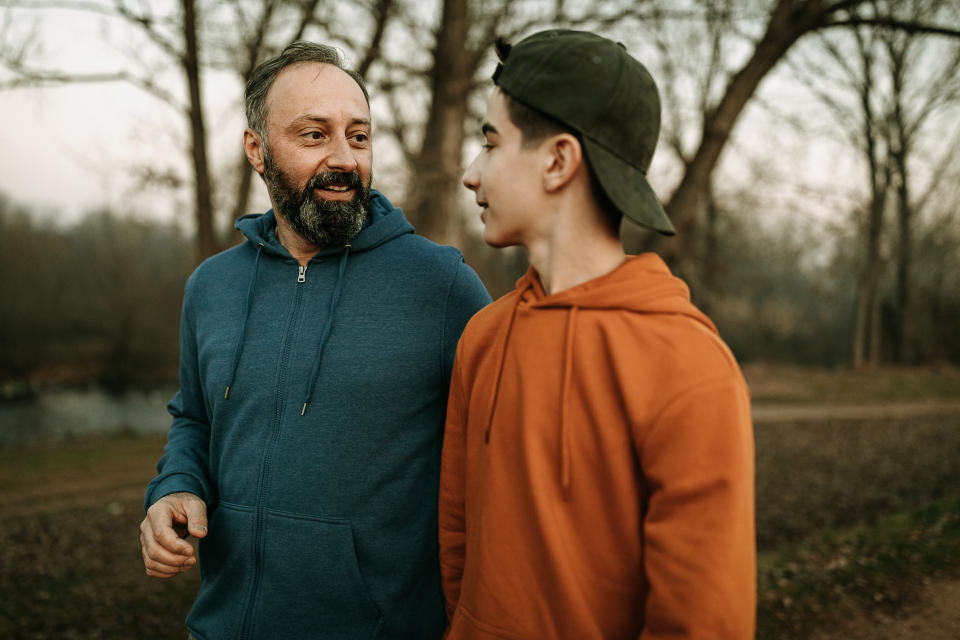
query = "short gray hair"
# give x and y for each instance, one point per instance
(255, 96)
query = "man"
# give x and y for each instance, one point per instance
(315, 360)
(597, 475)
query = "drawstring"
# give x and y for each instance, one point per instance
(564, 394)
(238, 350)
(334, 300)
(503, 358)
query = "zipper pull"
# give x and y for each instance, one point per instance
(302, 276)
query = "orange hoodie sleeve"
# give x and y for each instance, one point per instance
(698, 534)
(452, 528)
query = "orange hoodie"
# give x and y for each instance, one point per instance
(597, 477)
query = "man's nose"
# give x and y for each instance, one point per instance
(342, 157)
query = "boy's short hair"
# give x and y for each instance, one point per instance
(535, 126)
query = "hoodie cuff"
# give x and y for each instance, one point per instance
(174, 483)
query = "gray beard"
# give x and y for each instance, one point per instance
(323, 223)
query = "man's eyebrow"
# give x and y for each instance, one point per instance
(323, 120)
(488, 128)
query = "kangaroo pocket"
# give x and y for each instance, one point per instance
(311, 585)
(225, 563)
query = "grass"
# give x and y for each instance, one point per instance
(69, 544)
(832, 474)
(879, 568)
(852, 516)
(76, 458)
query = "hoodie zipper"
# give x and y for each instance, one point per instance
(247, 620)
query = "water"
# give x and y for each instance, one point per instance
(52, 414)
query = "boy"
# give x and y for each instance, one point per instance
(597, 473)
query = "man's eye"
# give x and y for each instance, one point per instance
(361, 137)
(487, 146)
(315, 135)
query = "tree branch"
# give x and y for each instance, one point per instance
(381, 15)
(893, 23)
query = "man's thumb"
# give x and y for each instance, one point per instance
(196, 518)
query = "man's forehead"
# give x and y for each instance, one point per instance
(316, 89)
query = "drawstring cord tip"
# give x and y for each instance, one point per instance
(226, 394)
(304, 409)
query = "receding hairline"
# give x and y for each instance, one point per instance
(321, 65)
(268, 99)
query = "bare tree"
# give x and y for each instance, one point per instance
(883, 122)
(787, 22)
(915, 98)
(175, 36)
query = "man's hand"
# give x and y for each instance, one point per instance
(168, 521)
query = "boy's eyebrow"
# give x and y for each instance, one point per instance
(488, 128)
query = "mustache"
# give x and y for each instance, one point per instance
(349, 179)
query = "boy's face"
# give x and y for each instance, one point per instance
(506, 179)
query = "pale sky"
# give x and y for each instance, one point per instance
(72, 147)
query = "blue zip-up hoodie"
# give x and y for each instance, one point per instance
(309, 418)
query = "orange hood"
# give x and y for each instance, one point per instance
(643, 284)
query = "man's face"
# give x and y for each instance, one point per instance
(506, 178)
(318, 157)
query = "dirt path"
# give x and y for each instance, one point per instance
(935, 617)
(764, 412)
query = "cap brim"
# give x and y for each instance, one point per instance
(627, 189)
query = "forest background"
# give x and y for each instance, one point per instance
(809, 157)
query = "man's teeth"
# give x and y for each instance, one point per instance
(333, 187)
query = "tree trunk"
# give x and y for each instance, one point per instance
(203, 201)
(902, 324)
(867, 334)
(687, 203)
(433, 196)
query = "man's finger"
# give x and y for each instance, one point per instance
(160, 555)
(196, 517)
(159, 562)
(166, 537)
(158, 527)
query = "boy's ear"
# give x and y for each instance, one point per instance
(253, 147)
(563, 160)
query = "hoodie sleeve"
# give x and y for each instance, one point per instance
(185, 462)
(698, 533)
(465, 297)
(451, 517)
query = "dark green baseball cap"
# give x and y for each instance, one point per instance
(592, 85)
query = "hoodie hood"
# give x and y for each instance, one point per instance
(384, 222)
(642, 284)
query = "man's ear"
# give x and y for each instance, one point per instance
(563, 160)
(253, 147)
